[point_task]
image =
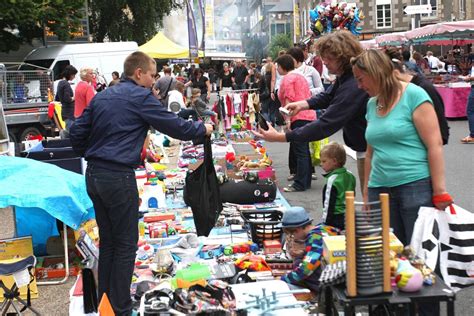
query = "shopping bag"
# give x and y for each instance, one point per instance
(201, 193)
(446, 238)
(315, 150)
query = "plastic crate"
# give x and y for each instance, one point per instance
(263, 225)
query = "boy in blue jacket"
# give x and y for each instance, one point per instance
(110, 135)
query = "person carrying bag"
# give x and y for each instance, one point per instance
(446, 238)
(201, 193)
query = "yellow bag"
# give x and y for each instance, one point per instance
(315, 150)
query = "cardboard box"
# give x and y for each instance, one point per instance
(90, 228)
(45, 268)
(271, 246)
(20, 247)
(334, 247)
(87, 247)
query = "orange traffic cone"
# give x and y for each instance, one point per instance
(105, 309)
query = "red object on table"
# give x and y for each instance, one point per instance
(158, 217)
(271, 246)
(455, 100)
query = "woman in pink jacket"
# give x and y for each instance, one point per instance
(295, 88)
(84, 91)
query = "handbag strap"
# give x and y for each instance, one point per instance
(208, 152)
(168, 89)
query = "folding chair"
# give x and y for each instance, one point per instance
(23, 266)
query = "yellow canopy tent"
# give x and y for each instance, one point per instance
(161, 47)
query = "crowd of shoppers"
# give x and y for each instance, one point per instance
(388, 112)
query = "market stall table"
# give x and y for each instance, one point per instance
(434, 294)
(455, 100)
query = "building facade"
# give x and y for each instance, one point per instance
(223, 26)
(266, 18)
(387, 16)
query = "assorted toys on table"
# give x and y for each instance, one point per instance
(193, 273)
(168, 245)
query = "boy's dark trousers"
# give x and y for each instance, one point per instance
(114, 194)
(336, 220)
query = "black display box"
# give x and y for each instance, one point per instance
(58, 152)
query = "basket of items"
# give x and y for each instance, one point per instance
(263, 225)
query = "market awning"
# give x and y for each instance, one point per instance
(225, 55)
(464, 29)
(446, 33)
(368, 44)
(161, 47)
(391, 39)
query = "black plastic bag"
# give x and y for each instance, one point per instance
(201, 193)
(89, 291)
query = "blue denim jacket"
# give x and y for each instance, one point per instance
(114, 126)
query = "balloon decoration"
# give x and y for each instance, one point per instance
(327, 17)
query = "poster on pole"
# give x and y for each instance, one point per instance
(196, 26)
(202, 21)
(296, 22)
(210, 38)
(192, 32)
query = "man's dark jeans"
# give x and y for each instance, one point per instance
(115, 198)
(299, 151)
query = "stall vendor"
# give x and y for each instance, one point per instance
(305, 245)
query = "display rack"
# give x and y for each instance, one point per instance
(367, 246)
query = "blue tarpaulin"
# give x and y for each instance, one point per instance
(42, 193)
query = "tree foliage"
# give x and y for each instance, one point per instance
(279, 42)
(254, 48)
(23, 20)
(125, 20)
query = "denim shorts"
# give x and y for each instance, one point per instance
(405, 201)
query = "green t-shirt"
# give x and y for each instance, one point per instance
(399, 155)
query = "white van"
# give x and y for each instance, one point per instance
(103, 57)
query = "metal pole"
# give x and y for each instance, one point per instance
(413, 26)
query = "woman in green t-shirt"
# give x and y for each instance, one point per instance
(405, 152)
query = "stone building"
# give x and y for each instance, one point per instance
(387, 16)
